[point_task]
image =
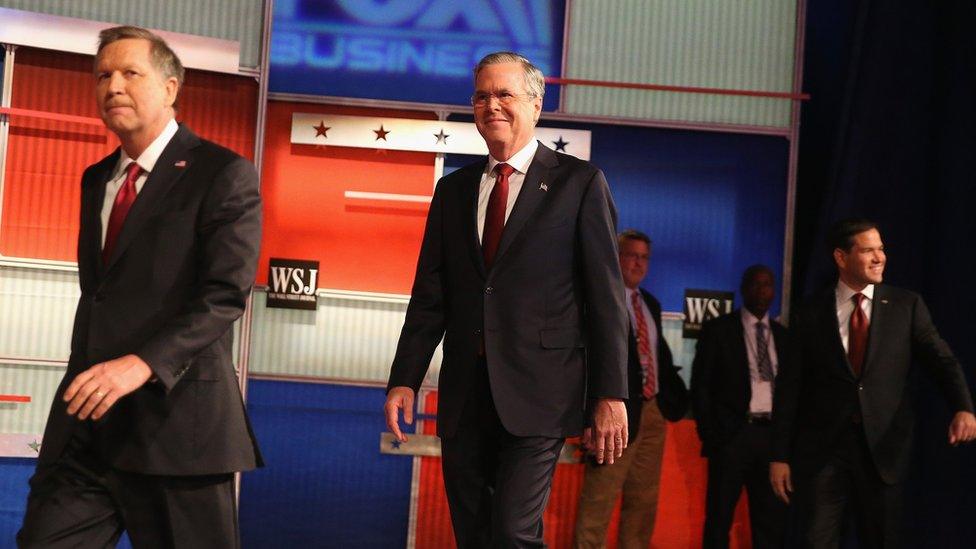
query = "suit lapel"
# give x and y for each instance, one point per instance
(879, 316)
(92, 201)
(469, 200)
(529, 197)
(164, 175)
(739, 349)
(832, 335)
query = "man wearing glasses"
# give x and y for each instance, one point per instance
(518, 273)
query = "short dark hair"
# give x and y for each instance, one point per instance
(634, 234)
(841, 234)
(163, 57)
(752, 271)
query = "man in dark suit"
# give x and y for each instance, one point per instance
(843, 415)
(148, 425)
(732, 380)
(518, 273)
(656, 393)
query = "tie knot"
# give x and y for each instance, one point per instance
(760, 327)
(858, 298)
(504, 170)
(132, 171)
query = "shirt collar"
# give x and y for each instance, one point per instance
(520, 160)
(750, 320)
(147, 160)
(844, 293)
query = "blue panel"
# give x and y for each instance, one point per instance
(407, 50)
(325, 483)
(713, 203)
(14, 473)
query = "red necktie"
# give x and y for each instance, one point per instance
(644, 347)
(495, 214)
(857, 336)
(120, 208)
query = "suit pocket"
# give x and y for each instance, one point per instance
(560, 338)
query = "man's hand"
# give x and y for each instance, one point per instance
(399, 398)
(779, 477)
(609, 435)
(963, 428)
(94, 391)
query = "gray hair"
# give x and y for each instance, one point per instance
(534, 80)
(163, 58)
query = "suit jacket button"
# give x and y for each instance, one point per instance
(860, 386)
(477, 332)
(488, 290)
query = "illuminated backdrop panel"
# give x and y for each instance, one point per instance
(405, 50)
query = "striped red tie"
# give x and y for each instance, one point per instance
(644, 347)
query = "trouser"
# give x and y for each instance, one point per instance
(637, 476)
(79, 501)
(743, 461)
(849, 483)
(497, 484)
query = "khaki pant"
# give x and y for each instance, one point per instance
(637, 474)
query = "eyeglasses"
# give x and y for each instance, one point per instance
(481, 99)
(631, 256)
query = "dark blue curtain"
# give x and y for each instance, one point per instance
(890, 134)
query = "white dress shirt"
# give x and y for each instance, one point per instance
(762, 391)
(845, 308)
(147, 161)
(521, 162)
(651, 327)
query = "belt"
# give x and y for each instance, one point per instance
(760, 418)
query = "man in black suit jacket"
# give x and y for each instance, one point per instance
(732, 382)
(843, 415)
(637, 474)
(518, 273)
(148, 425)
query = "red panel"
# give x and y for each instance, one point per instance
(45, 158)
(364, 246)
(681, 504)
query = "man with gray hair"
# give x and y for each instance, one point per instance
(148, 427)
(518, 273)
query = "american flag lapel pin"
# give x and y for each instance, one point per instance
(543, 186)
(180, 164)
(885, 301)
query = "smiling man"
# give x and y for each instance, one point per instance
(843, 412)
(518, 274)
(148, 425)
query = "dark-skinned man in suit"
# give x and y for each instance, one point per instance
(518, 273)
(657, 393)
(148, 425)
(732, 380)
(843, 415)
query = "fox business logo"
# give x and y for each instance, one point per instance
(704, 305)
(435, 37)
(292, 283)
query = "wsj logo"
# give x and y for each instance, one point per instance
(439, 37)
(704, 305)
(292, 283)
